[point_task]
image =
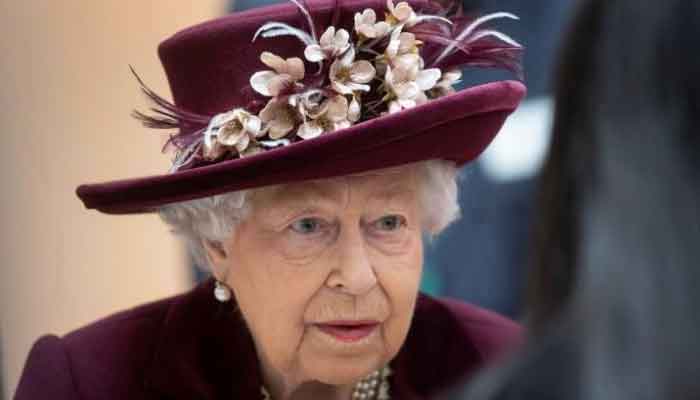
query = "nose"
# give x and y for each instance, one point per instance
(353, 272)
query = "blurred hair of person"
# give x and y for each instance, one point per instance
(614, 289)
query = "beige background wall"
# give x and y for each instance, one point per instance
(65, 99)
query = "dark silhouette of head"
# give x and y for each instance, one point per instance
(615, 288)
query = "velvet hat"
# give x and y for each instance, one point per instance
(317, 89)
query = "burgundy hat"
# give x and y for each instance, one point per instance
(313, 90)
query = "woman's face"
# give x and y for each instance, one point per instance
(326, 274)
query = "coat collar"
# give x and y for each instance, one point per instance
(204, 351)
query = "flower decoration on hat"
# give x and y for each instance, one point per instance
(331, 45)
(367, 27)
(402, 13)
(235, 129)
(349, 75)
(285, 74)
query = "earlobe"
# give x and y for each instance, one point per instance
(216, 253)
(217, 257)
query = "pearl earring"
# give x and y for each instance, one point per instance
(222, 292)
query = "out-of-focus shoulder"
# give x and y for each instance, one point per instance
(105, 356)
(47, 373)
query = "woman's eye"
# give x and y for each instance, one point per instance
(390, 223)
(306, 226)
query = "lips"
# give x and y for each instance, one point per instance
(348, 331)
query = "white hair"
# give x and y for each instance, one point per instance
(215, 218)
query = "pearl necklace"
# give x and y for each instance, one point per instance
(374, 386)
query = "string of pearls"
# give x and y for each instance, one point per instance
(374, 386)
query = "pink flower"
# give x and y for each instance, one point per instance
(402, 13)
(279, 117)
(284, 74)
(348, 76)
(329, 115)
(331, 44)
(401, 43)
(444, 86)
(366, 24)
(354, 110)
(407, 85)
(231, 130)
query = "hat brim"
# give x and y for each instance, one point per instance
(457, 127)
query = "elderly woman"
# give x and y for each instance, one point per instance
(307, 186)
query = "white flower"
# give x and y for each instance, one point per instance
(402, 13)
(233, 129)
(402, 88)
(401, 52)
(348, 75)
(279, 117)
(408, 85)
(251, 151)
(285, 73)
(354, 110)
(331, 45)
(308, 100)
(411, 63)
(444, 86)
(366, 25)
(402, 43)
(329, 115)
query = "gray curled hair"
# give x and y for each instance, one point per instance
(215, 218)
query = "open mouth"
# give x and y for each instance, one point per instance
(348, 331)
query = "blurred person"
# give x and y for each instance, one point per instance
(307, 188)
(616, 286)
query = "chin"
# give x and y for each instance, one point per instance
(343, 370)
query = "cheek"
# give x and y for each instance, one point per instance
(273, 296)
(399, 273)
(399, 277)
(297, 250)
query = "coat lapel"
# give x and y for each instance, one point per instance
(437, 355)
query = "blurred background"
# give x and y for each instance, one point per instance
(64, 120)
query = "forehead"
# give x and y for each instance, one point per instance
(390, 183)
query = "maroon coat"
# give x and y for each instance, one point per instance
(191, 347)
